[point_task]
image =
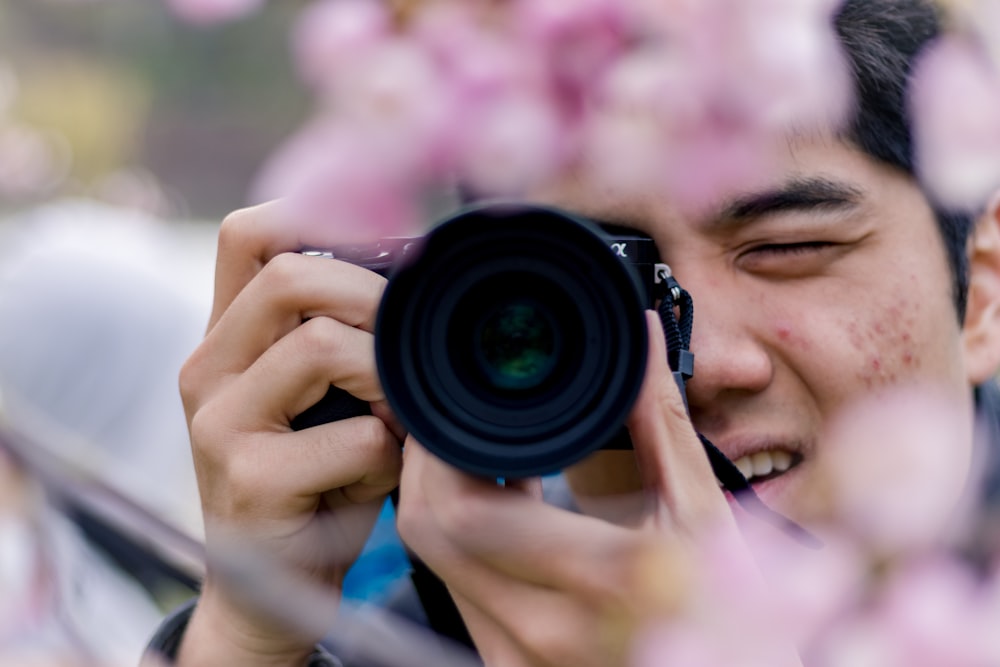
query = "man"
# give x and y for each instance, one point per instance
(834, 280)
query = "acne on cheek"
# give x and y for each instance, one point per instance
(885, 343)
(786, 334)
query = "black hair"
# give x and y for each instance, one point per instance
(882, 39)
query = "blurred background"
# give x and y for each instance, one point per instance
(121, 101)
(126, 135)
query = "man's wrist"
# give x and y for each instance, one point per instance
(196, 635)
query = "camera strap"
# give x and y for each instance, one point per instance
(676, 311)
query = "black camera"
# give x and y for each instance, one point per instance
(511, 340)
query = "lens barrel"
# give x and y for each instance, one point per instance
(512, 343)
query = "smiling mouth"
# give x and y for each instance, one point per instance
(766, 465)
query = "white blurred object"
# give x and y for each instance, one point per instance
(100, 307)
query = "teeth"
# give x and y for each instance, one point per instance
(745, 465)
(764, 463)
(761, 464)
(781, 460)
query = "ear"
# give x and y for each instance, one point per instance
(982, 317)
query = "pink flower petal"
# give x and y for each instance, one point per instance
(955, 99)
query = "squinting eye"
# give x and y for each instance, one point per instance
(791, 248)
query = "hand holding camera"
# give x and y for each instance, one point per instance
(284, 328)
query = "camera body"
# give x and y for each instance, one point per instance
(511, 339)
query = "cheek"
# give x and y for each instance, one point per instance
(790, 336)
(890, 341)
(885, 341)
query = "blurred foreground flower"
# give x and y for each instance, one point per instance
(889, 588)
(894, 485)
(955, 100)
(503, 99)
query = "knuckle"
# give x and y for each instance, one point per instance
(247, 477)
(234, 226)
(236, 475)
(189, 383)
(282, 273)
(412, 518)
(207, 439)
(416, 524)
(322, 337)
(377, 434)
(380, 448)
(460, 516)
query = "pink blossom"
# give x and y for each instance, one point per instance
(724, 85)
(510, 146)
(507, 131)
(330, 35)
(896, 483)
(212, 12)
(976, 20)
(578, 41)
(732, 617)
(788, 66)
(396, 97)
(857, 641)
(622, 152)
(957, 145)
(338, 190)
(808, 589)
(693, 643)
(928, 609)
(675, 645)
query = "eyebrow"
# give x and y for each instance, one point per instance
(797, 194)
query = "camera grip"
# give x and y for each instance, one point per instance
(337, 404)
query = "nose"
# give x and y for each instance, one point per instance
(731, 358)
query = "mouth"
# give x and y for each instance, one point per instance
(763, 466)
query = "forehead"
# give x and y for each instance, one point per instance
(819, 162)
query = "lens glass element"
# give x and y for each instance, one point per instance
(517, 344)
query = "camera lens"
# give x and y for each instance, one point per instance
(513, 343)
(516, 344)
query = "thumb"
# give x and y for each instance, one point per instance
(670, 456)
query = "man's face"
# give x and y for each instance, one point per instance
(826, 284)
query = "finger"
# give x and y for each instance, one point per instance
(671, 459)
(284, 474)
(297, 371)
(292, 288)
(359, 456)
(509, 530)
(249, 239)
(383, 411)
